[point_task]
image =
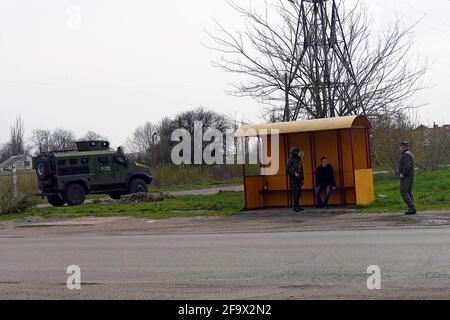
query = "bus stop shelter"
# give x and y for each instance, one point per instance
(345, 141)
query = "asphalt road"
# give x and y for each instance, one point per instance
(415, 263)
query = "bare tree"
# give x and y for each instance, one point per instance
(164, 147)
(16, 144)
(388, 132)
(92, 136)
(62, 139)
(208, 119)
(144, 138)
(144, 143)
(4, 152)
(41, 140)
(152, 143)
(301, 67)
(436, 150)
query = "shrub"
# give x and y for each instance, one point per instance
(170, 175)
(10, 204)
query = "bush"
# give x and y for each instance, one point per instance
(10, 204)
(436, 150)
(171, 175)
(430, 146)
(387, 133)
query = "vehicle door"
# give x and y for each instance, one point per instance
(120, 168)
(103, 171)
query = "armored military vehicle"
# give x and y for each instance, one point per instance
(66, 177)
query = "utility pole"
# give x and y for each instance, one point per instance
(287, 108)
(14, 171)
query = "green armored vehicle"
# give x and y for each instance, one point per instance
(66, 177)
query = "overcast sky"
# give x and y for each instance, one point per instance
(128, 62)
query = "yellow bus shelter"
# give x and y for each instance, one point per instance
(345, 141)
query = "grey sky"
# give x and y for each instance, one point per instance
(137, 60)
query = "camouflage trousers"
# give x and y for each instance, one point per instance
(406, 191)
(296, 189)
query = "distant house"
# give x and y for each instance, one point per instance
(426, 134)
(423, 128)
(23, 162)
(427, 131)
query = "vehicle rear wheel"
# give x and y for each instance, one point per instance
(56, 200)
(75, 194)
(116, 196)
(137, 186)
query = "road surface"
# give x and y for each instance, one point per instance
(415, 263)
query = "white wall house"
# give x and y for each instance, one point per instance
(23, 162)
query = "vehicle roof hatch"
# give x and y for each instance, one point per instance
(94, 145)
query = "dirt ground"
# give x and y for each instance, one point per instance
(255, 221)
(271, 220)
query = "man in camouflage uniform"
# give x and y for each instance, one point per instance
(406, 174)
(294, 168)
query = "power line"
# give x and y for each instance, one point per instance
(426, 13)
(411, 18)
(415, 20)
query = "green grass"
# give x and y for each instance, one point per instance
(431, 192)
(221, 204)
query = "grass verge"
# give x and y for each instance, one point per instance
(431, 192)
(220, 204)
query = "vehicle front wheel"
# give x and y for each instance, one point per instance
(137, 186)
(75, 194)
(56, 200)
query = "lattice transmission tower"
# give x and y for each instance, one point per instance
(326, 84)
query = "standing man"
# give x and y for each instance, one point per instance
(324, 182)
(294, 168)
(406, 175)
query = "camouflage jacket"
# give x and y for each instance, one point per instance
(294, 165)
(406, 167)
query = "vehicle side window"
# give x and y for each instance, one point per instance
(121, 160)
(73, 161)
(85, 160)
(103, 160)
(61, 162)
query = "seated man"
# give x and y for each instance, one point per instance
(324, 182)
